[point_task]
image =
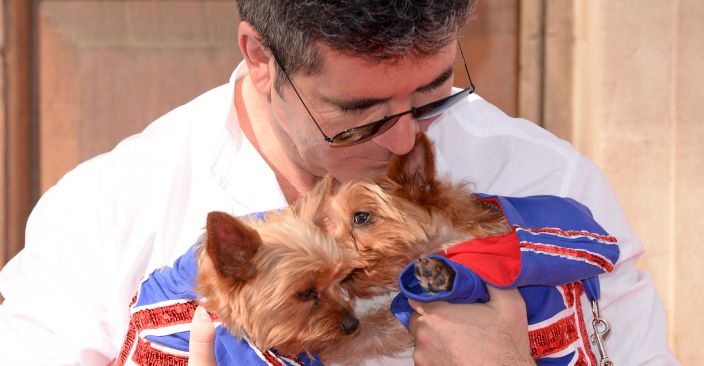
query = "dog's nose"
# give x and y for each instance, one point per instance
(349, 323)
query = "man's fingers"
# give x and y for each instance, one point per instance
(413, 323)
(202, 341)
(418, 306)
(505, 298)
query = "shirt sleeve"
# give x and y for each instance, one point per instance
(67, 292)
(50, 286)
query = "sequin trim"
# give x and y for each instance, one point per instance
(566, 331)
(568, 233)
(576, 254)
(553, 338)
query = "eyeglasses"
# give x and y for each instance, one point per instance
(359, 134)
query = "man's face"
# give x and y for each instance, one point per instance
(349, 92)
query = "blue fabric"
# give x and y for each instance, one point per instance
(167, 284)
(544, 226)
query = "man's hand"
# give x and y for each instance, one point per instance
(202, 342)
(493, 333)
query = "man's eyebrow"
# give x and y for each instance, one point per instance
(447, 74)
(355, 104)
(364, 103)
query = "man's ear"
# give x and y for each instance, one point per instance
(257, 57)
(417, 166)
(231, 246)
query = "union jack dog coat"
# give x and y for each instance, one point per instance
(160, 322)
(553, 256)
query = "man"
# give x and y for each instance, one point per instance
(312, 72)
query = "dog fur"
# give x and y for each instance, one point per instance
(390, 220)
(406, 214)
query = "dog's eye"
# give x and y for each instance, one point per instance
(308, 294)
(362, 218)
(352, 274)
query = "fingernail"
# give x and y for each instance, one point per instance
(201, 313)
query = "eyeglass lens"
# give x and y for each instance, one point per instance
(365, 132)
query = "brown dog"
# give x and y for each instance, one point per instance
(406, 214)
(390, 220)
(276, 282)
(273, 283)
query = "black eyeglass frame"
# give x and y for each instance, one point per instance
(373, 129)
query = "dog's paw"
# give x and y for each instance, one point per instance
(434, 275)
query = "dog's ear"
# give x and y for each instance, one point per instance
(313, 206)
(231, 246)
(415, 170)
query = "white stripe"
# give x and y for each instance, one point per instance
(139, 288)
(168, 350)
(128, 360)
(554, 319)
(291, 361)
(257, 351)
(169, 330)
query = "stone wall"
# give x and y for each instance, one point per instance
(630, 100)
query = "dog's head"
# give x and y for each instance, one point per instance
(396, 217)
(277, 281)
(384, 219)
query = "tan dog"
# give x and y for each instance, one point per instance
(390, 220)
(406, 214)
(276, 283)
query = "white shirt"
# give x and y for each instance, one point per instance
(118, 216)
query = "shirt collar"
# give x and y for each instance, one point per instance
(239, 169)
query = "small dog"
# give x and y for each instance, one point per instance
(409, 213)
(275, 284)
(392, 219)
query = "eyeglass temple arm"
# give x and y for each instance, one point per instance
(464, 61)
(283, 69)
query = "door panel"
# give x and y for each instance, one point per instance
(108, 68)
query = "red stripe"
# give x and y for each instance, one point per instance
(553, 338)
(577, 253)
(272, 359)
(552, 230)
(578, 291)
(164, 316)
(581, 360)
(126, 346)
(288, 357)
(144, 354)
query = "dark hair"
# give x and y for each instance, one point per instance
(373, 29)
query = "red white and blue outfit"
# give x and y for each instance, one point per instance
(160, 320)
(553, 255)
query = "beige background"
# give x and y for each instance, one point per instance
(620, 79)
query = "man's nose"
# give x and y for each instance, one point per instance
(400, 138)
